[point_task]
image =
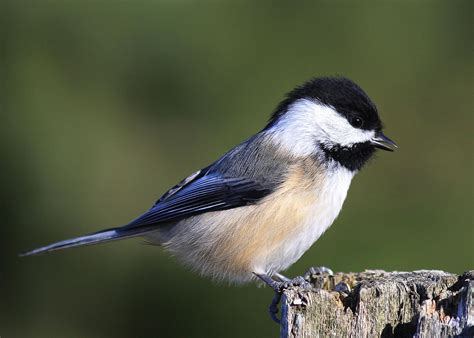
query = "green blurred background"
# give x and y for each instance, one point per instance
(107, 104)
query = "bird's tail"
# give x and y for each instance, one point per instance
(95, 238)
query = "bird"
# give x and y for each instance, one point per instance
(253, 212)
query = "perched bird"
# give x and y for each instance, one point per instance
(259, 207)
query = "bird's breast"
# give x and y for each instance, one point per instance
(307, 210)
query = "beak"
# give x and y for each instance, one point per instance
(383, 142)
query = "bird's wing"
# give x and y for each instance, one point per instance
(201, 192)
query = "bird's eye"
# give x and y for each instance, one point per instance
(357, 122)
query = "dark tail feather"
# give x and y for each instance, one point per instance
(95, 238)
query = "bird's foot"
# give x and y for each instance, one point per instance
(315, 271)
(279, 287)
(284, 282)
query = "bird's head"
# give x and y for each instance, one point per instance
(330, 116)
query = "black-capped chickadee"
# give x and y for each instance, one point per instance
(258, 208)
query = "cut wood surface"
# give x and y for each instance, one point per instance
(381, 304)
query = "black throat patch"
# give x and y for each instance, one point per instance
(352, 158)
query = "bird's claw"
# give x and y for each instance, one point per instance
(317, 270)
(273, 308)
(297, 281)
(279, 287)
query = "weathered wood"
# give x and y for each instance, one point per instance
(381, 304)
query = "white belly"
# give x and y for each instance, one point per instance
(321, 215)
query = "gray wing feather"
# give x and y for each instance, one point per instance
(199, 194)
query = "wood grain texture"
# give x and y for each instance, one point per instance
(381, 304)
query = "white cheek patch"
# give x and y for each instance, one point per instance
(336, 127)
(309, 122)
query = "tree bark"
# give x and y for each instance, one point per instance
(381, 304)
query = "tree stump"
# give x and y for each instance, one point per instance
(381, 304)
